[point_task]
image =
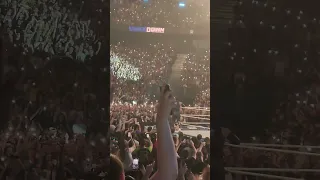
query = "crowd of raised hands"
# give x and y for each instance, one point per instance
(53, 28)
(150, 148)
(160, 13)
(51, 137)
(52, 124)
(34, 153)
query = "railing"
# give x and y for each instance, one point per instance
(270, 147)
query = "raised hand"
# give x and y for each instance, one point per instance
(182, 170)
(167, 155)
(166, 101)
(146, 172)
(206, 173)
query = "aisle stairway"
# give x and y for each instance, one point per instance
(175, 77)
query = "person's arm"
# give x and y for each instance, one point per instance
(123, 127)
(119, 127)
(167, 156)
(194, 155)
(129, 121)
(178, 146)
(201, 147)
(199, 155)
(121, 146)
(151, 144)
(182, 170)
(206, 173)
(134, 147)
(112, 121)
(155, 176)
(128, 159)
(146, 172)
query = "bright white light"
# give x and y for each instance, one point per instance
(121, 68)
(182, 4)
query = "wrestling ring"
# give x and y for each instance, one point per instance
(195, 128)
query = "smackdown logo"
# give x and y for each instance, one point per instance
(137, 29)
(146, 29)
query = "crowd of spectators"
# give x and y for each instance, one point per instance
(276, 45)
(203, 98)
(135, 69)
(54, 125)
(54, 28)
(196, 71)
(132, 65)
(161, 13)
(141, 140)
(134, 117)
